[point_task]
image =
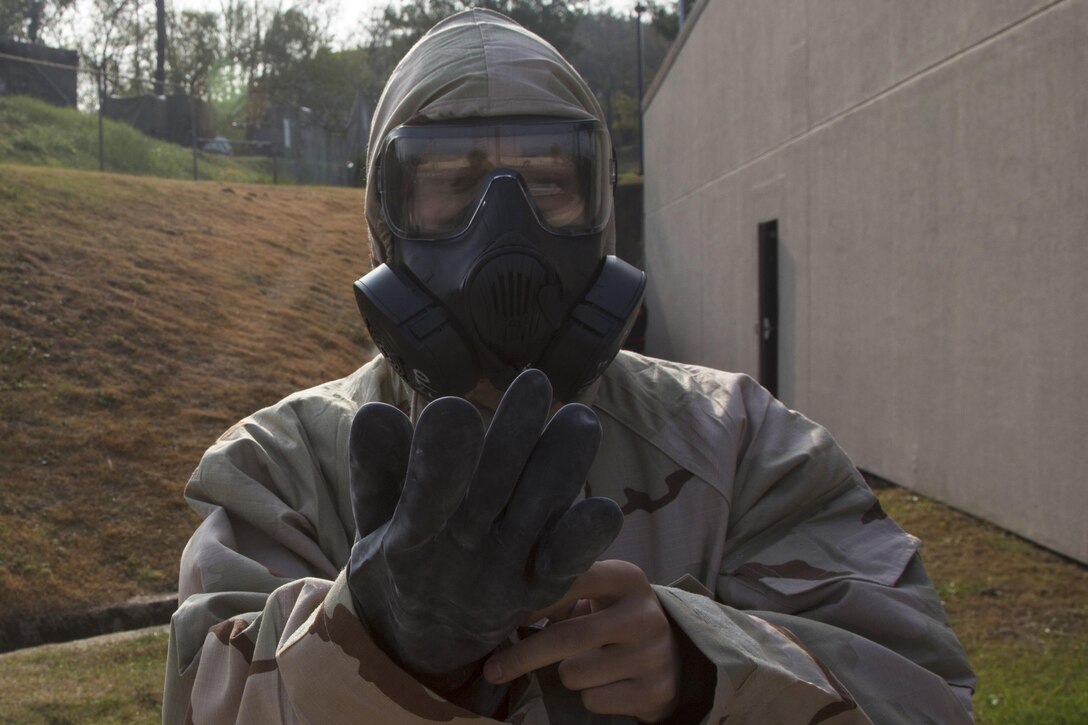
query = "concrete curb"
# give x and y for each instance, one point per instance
(82, 645)
(38, 629)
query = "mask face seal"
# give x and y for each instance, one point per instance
(492, 273)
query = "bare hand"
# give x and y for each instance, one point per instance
(613, 642)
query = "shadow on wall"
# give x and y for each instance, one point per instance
(629, 224)
(628, 202)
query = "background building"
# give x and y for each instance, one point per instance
(169, 118)
(39, 71)
(921, 169)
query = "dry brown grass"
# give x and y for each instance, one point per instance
(138, 319)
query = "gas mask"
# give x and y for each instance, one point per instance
(498, 259)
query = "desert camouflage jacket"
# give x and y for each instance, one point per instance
(785, 573)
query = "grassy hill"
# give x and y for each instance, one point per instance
(37, 133)
(139, 318)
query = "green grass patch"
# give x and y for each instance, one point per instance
(100, 682)
(1025, 682)
(1020, 611)
(39, 134)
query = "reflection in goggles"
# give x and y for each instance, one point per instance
(433, 184)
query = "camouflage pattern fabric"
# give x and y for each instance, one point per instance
(813, 605)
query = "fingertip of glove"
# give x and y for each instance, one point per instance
(534, 378)
(580, 417)
(450, 412)
(531, 390)
(605, 516)
(375, 410)
(373, 418)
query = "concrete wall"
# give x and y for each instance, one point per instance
(928, 165)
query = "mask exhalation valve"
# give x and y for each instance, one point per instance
(511, 299)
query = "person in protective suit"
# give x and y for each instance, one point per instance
(502, 519)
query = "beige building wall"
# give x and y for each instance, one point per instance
(927, 163)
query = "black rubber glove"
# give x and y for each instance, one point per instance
(460, 536)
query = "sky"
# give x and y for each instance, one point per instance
(352, 15)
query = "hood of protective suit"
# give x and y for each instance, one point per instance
(475, 63)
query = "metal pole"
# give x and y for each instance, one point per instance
(192, 124)
(160, 48)
(101, 135)
(639, 10)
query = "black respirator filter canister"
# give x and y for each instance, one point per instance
(595, 330)
(415, 334)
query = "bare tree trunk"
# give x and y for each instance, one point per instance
(160, 47)
(34, 15)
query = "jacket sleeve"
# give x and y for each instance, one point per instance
(266, 631)
(823, 611)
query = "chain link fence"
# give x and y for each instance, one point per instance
(56, 111)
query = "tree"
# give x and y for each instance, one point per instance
(325, 82)
(607, 57)
(241, 39)
(291, 39)
(109, 45)
(12, 19)
(664, 19)
(193, 50)
(160, 47)
(27, 20)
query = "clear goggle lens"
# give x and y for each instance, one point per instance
(433, 177)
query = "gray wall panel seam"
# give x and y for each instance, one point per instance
(937, 65)
(865, 103)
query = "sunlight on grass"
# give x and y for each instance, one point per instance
(36, 133)
(141, 318)
(92, 682)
